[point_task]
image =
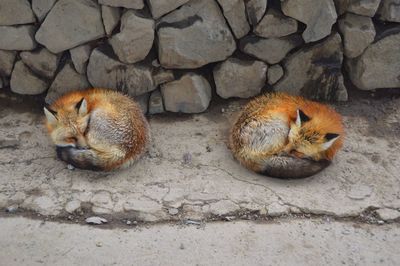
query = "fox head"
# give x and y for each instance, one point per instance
(309, 137)
(68, 125)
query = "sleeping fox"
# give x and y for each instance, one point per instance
(286, 136)
(97, 129)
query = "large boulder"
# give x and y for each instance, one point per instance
(189, 94)
(239, 78)
(360, 7)
(390, 10)
(274, 24)
(105, 71)
(7, 59)
(80, 57)
(161, 7)
(318, 15)
(358, 32)
(378, 66)
(15, 12)
(255, 10)
(194, 35)
(66, 80)
(17, 38)
(156, 105)
(235, 13)
(271, 50)
(24, 81)
(275, 73)
(41, 61)
(42, 7)
(135, 39)
(70, 23)
(315, 72)
(111, 16)
(134, 4)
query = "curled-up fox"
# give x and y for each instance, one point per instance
(97, 129)
(286, 136)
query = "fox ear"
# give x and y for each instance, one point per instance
(301, 118)
(81, 107)
(50, 115)
(330, 139)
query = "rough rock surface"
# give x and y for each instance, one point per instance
(162, 76)
(23, 81)
(239, 78)
(42, 7)
(387, 214)
(111, 16)
(80, 57)
(7, 59)
(271, 50)
(66, 80)
(143, 101)
(42, 62)
(235, 13)
(318, 15)
(255, 10)
(274, 24)
(107, 72)
(378, 66)
(275, 73)
(315, 72)
(135, 39)
(15, 12)
(161, 7)
(135, 4)
(358, 32)
(361, 7)
(70, 23)
(390, 10)
(17, 38)
(203, 24)
(156, 105)
(189, 94)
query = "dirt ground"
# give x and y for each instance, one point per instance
(189, 175)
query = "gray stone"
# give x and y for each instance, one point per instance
(358, 32)
(163, 75)
(104, 71)
(143, 101)
(156, 105)
(42, 7)
(255, 10)
(42, 62)
(315, 72)
(66, 80)
(23, 81)
(378, 66)
(7, 59)
(275, 24)
(70, 23)
(72, 206)
(276, 209)
(223, 207)
(15, 12)
(359, 192)
(239, 78)
(111, 16)
(1, 83)
(96, 220)
(235, 13)
(275, 73)
(318, 15)
(80, 57)
(161, 7)
(361, 7)
(390, 10)
(190, 94)
(135, 4)
(202, 23)
(135, 39)
(271, 50)
(387, 214)
(17, 38)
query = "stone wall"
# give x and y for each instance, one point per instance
(173, 54)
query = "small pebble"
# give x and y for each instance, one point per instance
(70, 167)
(380, 222)
(95, 220)
(99, 244)
(187, 158)
(12, 208)
(128, 222)
(182, 246)
(173, 211)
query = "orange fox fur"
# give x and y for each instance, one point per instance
(278, 130)
(97, 129)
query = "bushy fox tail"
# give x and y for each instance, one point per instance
(80, 158)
